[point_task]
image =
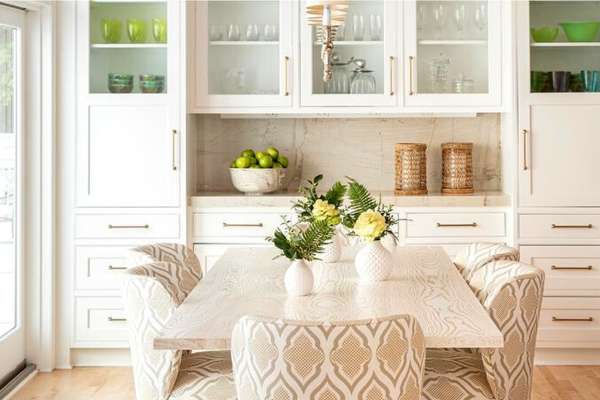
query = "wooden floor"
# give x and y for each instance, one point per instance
(550, 383)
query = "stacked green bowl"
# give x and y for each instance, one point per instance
(581, 31)
(152, 83)
(120, 83)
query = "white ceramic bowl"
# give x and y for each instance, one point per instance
(253, 181)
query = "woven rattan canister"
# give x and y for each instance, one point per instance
(411, 169)
(457, 168)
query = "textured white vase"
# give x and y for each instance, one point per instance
(332, 252)
(298, 279)
(373, 262)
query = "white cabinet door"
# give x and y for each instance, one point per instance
(558, 156)
(127, 156)
(370, 35)
(242, 54)
(453, 58)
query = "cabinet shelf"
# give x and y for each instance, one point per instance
(566, 44)
(355, 43)
(244, 43)
(452, 42)
(129, 46)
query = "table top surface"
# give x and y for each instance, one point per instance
(248, 281)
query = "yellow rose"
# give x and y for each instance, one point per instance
(370, 225)
(323, 211)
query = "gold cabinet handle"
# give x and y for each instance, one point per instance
(471, 225)
(227, 225)
(586, 319)
(556, 268)
(525, 167)
(286, 62)
(113, 268)
(173, 149)
(411, 61)
(110, 226)
(391, 75)
(555, 226)
(116, 319)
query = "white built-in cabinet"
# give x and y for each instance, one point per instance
(418, 63)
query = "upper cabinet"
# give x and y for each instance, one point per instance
(242, 53)
(365, 69)
(453, 53)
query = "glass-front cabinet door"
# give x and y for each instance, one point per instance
(453, 52)
(365, 58)
(243, 54)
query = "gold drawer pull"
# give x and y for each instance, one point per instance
(113, 268)
(128, 226)
(555, 226)
(557, 319)
(471, 225)
(226, 225)
(588, 268)
(113, 319)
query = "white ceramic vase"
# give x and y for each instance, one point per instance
(373, 262)
(332, 252)
(298, 279)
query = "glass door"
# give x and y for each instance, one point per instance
(365, 67)
(12, 347)
(243, 54)
(454, 52)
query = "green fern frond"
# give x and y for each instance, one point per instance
(299, 244)
(336, 194)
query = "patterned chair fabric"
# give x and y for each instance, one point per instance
(512, 293)
(376, 359)
(205, 376)
(477, 255)
(152, 292)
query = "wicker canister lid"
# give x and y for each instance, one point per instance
(411, 146)
(457, 146)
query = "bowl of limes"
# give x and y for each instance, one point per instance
(258, 172)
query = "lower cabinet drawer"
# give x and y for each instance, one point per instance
(570, 270)
(570, 322)
(559, 226)
(209, 254)
(453, 225)
(126, 226)
(100, 267)
(100, 322)
(254, 225)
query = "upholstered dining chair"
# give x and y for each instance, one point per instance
(512, 293)
(478, 254)
(371, 359)
(152, 292)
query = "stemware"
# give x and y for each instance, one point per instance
(233, 32)
(439, 15)
(270, 32)
(459, 19)
(375, 27)
(480, 16)
(252, 32)
(421, 18)
(111, 30)
(358, 27)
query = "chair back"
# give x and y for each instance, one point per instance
(477, 255)
(371, 359)
(512, 293)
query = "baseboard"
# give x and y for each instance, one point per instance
(100, 358)
(567, 357)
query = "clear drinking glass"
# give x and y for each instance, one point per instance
(358, 27)
(270, 32)
(340, 33)
(439, 15)
(421, 17)
(233, 32)
(459, 19)
(215, 32)
(480, 16)
(375, 27)
(252, 32)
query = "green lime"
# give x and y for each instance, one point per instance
(259, 155)
(273, 152)
(233, 164)
(253, 161)
(283, 161)
(242, 162)
(255, 166)
(266, 162)
(277, 165)
(247, 153)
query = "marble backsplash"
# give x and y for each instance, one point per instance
(361, 148)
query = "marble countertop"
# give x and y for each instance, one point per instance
(222, 199)
(424, 283)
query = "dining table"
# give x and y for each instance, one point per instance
(249, 281)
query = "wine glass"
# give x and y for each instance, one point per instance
(421, 17)
(459, 19)
(358, 27)
(439, 15)
(480, 17)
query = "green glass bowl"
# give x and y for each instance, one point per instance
(584, 31)
(544, 34)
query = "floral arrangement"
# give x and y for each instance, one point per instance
(366, 217)
(301, 241)
(326, 207)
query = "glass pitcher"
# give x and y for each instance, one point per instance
(363, 81)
